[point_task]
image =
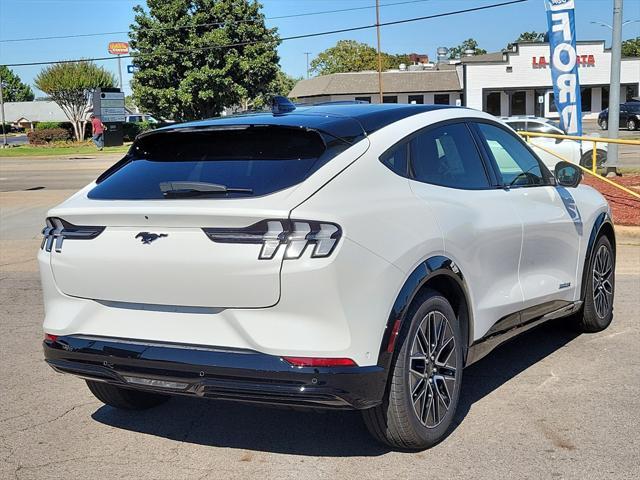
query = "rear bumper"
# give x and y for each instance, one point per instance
(240, 375)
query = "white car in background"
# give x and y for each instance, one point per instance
(571, 150)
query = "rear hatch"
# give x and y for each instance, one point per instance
(150, 214)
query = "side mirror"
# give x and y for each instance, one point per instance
(567, 174)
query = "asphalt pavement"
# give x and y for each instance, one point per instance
(549, 405)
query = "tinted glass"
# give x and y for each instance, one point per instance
(397, 159)
(441, 99)
(517, 126)
(262, 159)
(448, 156)
(390, 99)
(633, 107)
(417, 99)
(537, 127)
(517, 165)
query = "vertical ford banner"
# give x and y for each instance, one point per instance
(564, 65)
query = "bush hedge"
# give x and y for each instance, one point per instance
(130, 130)
(45, 136)
(48, 125)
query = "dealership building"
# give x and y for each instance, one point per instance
(515, 81)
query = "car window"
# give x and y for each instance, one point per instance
(251, 161)
(517, 126)
(447, 156)
(538, 127)
(633, 107)
(517, 165)
(396, 159)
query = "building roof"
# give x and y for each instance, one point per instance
(347, 121)
(445, 80)
(38, 111)
(485, 58)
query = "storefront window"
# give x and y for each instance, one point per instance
(492, 103)
(585, 95)
(605, 97)
(418, 99)
(441, 99)
(632, 92)
(390, 99)
(363, 99)
(518, 103)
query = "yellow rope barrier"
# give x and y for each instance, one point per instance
(586, 139)
(600, 177)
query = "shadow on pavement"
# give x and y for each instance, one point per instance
(324, 434)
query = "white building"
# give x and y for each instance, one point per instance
(512, 82)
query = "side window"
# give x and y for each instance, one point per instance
(517, 165)
(448, 156)
(518, 126)
(396, 159)
(537, 127)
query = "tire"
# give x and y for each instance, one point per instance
(604, 124)
(124, 398)
(587, 159)
(396, 421)
(597, 311)
(632, 124)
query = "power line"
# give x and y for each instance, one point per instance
(212, 24)
(282, 39)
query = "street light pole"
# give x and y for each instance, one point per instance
(307, 54)
(379, 55)
(4, 133)
(614, 90)
(120, 74)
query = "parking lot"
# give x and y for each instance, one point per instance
(550, 404)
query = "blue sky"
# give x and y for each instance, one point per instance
(493, 29)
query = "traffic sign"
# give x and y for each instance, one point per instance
(132, 68)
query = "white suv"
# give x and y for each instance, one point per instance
(574, 151)
(339, 256)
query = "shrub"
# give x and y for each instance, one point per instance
(43, 137)
(48, 125)
(131, 130)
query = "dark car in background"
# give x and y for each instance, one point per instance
(629, 116)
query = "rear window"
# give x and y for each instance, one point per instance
(247, 160)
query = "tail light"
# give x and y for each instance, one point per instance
(57, 230)
(295, 234)
(319, 362)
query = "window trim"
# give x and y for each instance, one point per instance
(546, 174)
(492, 180)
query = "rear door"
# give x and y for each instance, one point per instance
(192, 243)
(552, 226)
(481, 228)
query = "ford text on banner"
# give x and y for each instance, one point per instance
(564, 65)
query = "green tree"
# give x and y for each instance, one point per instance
(189, 73)
(468, 44)
(532, 36)
(281, 85)
(71, 86)
(353, 56)
(631, 47)
(13, 90)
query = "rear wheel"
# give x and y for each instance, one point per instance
(597, 311)
(632, 124)
(424, 386)
(587, 159)
(124, 398)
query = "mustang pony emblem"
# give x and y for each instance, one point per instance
(147, 237)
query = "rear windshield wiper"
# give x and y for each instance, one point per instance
(198, 188)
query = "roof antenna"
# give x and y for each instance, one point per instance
(280, 104)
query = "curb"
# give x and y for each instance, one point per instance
(627, 235)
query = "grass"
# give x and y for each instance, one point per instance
(32, 151)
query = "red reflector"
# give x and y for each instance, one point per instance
(50, 338)
(320, 362)
(394, 336)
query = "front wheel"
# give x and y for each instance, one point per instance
(597, 311)
(632, 124)
(425, 376)
(604, 125)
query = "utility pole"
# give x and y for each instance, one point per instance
(614, 90)
(4, 133)
(307, 54)
(379, 55)
(120, 74)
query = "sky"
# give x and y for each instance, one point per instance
(492, 28)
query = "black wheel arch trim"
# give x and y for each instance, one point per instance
(603, 222)
(426, 271)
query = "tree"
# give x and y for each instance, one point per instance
(631, 47)
(468, 44)
(189, 72)
(353, 56)
(13, 90)
(71, 86)
(281, 85)
(532, 36)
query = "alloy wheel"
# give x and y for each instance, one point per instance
(432, 367)
(631, 124)
(602, 284)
